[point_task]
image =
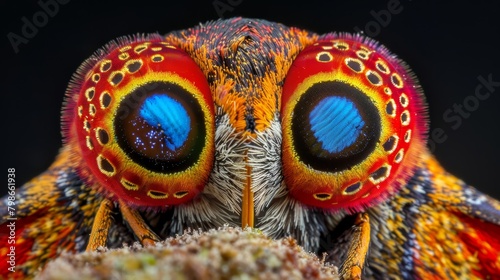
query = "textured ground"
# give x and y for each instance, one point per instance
(227, 253)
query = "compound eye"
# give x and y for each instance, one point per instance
(143, 118)
(160, 126)
(334, 126)
(352, 121)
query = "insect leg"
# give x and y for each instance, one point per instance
(352, 267)
(139, 227)
(102, 222)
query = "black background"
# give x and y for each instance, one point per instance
(447, 45)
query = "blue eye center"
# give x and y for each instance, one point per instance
(170, 116)
(161, 126)
(334, 126)
(336, 123)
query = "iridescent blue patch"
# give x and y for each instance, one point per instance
(168, 114)
(336, 123)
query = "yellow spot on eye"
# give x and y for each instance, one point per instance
(105, 166)
(363, 54)
(387, 91)
(86, 125)
(105, 100)
(123, 56)
(355, 64)
(115, 78)
(126, 48)
(396, 80)
(133, 66)
(129, 185)
(341, 46)
(89, 143)
(105, 65)
(391, 144)
(157, 194)
(326, 48)
(403, 99)
(399, 156)
(390, 108)
(407, 136)
(157, 58)
(365, 49)
(380, 174)
(180, 194)
(382, 66)
(96, 77)
(374, 78)
(352, 189)
(92, 110)
(89, 93)
(101, 136)
(156, 49)
(324, 57)
(80, 111)
(140, 48)
(405, 117)
(322, 196)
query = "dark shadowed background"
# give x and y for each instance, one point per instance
(451, 48)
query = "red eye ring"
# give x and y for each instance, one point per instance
(143, 119)
(347, 104)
